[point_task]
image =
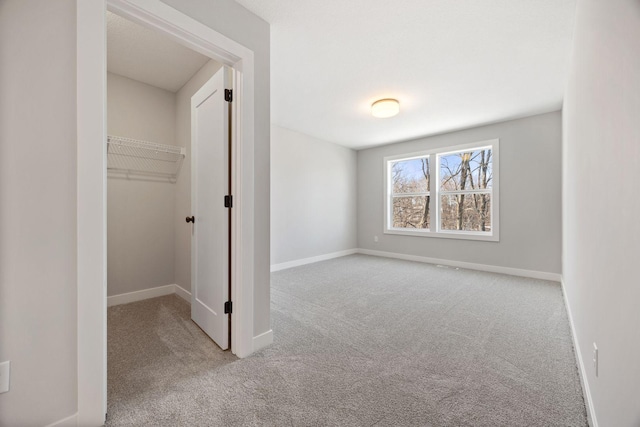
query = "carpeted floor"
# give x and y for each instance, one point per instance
(359, 341)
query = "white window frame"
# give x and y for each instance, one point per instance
(435, 192)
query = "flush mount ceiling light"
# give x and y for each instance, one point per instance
(384, 108)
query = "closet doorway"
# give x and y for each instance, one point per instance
(92, 181)
(169, 167)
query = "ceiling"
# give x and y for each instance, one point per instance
(148, 56)
(451, 64)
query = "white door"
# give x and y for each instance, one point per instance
(210, 183)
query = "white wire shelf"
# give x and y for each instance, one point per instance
(136, 159)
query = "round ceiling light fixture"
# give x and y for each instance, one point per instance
(384, 108)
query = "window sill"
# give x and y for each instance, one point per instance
(460, 235)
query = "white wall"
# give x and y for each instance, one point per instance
(530, 197)
(601, 230)
(38, 210)
(313, 196)
(237, 23)
(140, 213)
(182, 205)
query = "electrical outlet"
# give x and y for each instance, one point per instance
(5, 372)
(595, 358)
(375, 239)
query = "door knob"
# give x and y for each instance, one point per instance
(191, 219)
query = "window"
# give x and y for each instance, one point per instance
(410, 193)
(461, 201)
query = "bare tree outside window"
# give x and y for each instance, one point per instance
(465, 190)
(410, 193)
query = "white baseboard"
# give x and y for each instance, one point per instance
(468, 265)
(70, 421)
(140, 295)
(263, 340)
(183, 293)
(591, 412)
(149, 293)
(311, 260)
(461, 264)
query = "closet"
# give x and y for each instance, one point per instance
(151, 81)
(144, 164)
(168, 150)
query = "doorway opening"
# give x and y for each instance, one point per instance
(169, 202)
(92, 181)
(168, 159)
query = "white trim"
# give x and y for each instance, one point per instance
(70, 421)
(91, 180)
(181, 28)
(424, 193)
(582, 373)
(467, 265)
(533, 274)
(311, 260)
(143, 294)
(465, 192)
(242, 188)
(263, 340)
(454, 149)
(91, 229)
(182, 293)
(442, 234)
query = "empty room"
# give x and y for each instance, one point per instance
(362, 213)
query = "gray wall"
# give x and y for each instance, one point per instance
(38, 210)
(237, 23)
(313, 196)
(530, 197)
(140, 213)
(601, 231)
(182, 205)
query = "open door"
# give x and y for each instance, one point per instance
(211, 207)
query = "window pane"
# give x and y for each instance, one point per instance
(411, 212)
(410, 176)
(468, 212)
(468, 170)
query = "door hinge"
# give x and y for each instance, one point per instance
(228, 95)
(228, 307)
(228, 201)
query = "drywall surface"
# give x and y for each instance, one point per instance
(237, 23)
(182, 205)
(313, 196)
(601, 230)
(530, 216)
(38, 210)
(140, 213)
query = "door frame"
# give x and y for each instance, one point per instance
(92, 180)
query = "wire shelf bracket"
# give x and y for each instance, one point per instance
(136, 159)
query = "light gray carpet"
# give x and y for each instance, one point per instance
(359, 341)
